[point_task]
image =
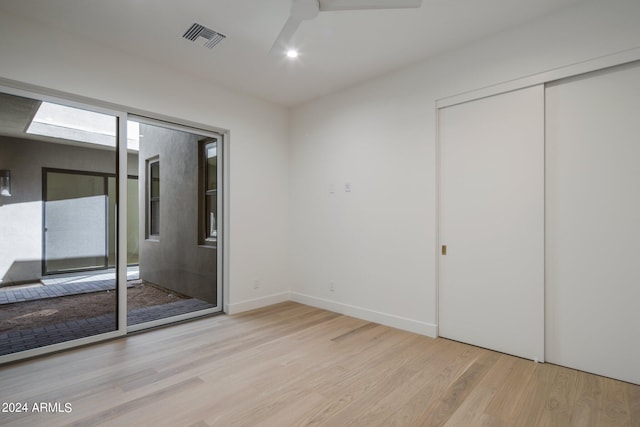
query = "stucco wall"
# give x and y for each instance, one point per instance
(175, 260)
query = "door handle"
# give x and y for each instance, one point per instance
(444, 249)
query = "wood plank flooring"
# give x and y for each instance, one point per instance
(294, 365)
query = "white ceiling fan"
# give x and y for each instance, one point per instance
(303, 10)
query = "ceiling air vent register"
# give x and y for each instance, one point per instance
(197, 30)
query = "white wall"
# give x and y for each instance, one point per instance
(258, 136)
(378, 241)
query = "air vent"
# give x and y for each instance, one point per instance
(197, 30)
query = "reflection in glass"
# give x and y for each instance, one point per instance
(57, 228)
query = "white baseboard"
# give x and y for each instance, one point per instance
(252, 304)
(403, 323)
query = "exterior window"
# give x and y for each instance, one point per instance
(208, 191)
(153, 191)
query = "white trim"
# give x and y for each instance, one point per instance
(410, 325)
(437, 223)
(223, 258)
(15, 87)
(176, 125)
(595, 64)
(68, 100)
(121, 210)
(66, 345)
(220, 244)
(252, 304)
(168, 321)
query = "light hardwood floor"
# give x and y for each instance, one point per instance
(293, 365)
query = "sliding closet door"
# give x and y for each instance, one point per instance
(491, 281)
(593, 222)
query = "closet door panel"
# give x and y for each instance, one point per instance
(593, 222)
(491, 280)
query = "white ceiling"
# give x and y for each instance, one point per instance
(338, 49)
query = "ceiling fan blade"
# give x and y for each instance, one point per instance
(283, 41)
(329, 5)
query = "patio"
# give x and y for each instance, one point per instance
(78, 284)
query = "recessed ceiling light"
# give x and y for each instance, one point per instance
(292, 53)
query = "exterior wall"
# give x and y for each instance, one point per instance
(21, 214)
(175, 261)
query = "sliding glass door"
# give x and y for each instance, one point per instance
(179, 205)
(109, 224)
(58, 224)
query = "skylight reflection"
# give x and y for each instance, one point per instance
(75, 124)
